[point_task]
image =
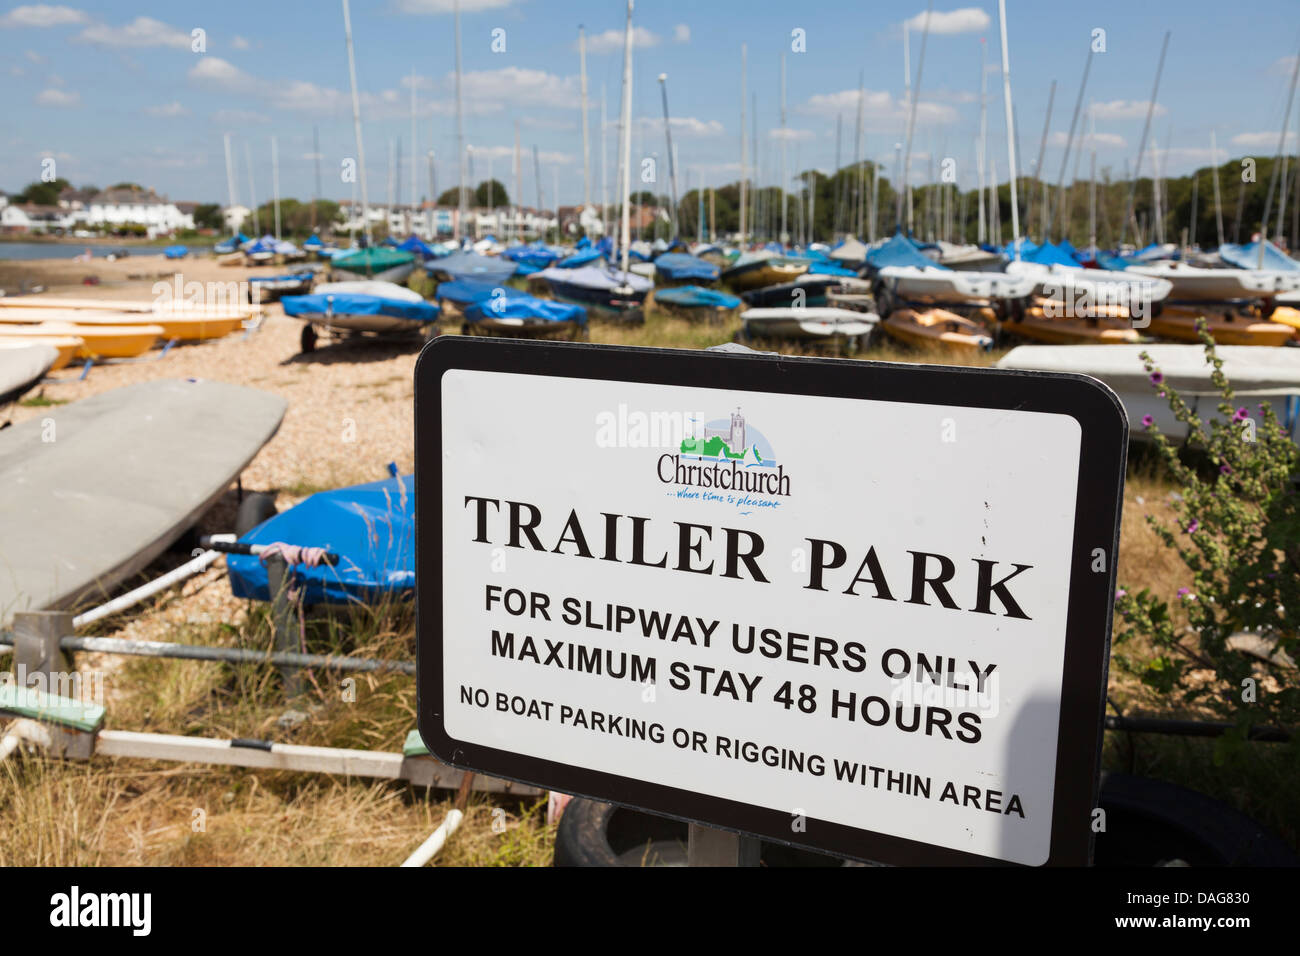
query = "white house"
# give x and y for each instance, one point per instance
(30, 217)
(114, 208)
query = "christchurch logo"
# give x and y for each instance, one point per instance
(726, 456)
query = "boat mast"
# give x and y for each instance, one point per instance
(415, 165)
(586, 140)
(784, 171)
(744, 172)
(981, 230)
(1218, 206)
(604, 185)
(699, 209)
(625, 170)
(230, 179)
(356, 124)
(1069, 145)
(1151, 105)
(672, 157)
(275, 183)
(1272, 179)
(903, 194)
(1092, 182)
(315, 152)
(911, 121)
(514, 231)
(461, 211)
(252, 193)
(1011, 126)
(537, 176)
(859, 176)
(1038, 170)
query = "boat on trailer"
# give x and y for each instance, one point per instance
(936, 329)
(612, 294)
(937, 284)
(812, 324)
(376, 263)
(1195, 284)
(359, 308)
(524, 316)
(1227, 324)
(272, 288)
(697, 303)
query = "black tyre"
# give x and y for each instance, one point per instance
(253, 510)
(601, 834)
(1153, 823)
(308, 340)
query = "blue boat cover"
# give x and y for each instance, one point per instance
(355, 303)
(900, 251)
(606, 246)
(825, 267)
(1247, 257)
(674, 266)
(577, 259)
(176, 252)
(1026, 246)
(469, 291)
(1051, 255)
(314, 242)
(300, 276)
(583, 243)
(524, 306)
(417, 245)
(531, 257)
(1111, 263)
(470, 265)
(371, 527)
(695, 296)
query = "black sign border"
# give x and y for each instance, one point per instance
(1104, 438)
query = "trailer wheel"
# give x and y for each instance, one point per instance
(253, 510)
(308, 339)
(600, 834)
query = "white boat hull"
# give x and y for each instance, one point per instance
(1192, 284)
(1064, 283)
(396, 274)
(816, 323)
(947, 285)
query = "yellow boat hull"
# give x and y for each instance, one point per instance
(67, 346)
(765, 275)
(187, 326)
(1227, 328)
(1100, 331)
(936, 329)
(1285, 315)
(98, 341)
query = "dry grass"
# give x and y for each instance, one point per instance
(131, 812)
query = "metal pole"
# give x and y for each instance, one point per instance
(911, 121)
(460, 135)
(625, 228)
(744, 172)
(356, 124)
(283, 620)
(1218, 207)
(1038, 168)
(1146, 128)
(672, 162)
(586, 147)
(1011, 126)
(1281, 146)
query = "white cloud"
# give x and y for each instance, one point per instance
(1262, 140)
(34, 57)
(231, 118)
(681, 33)
(878, 107)
(214, 71)
(140, 32)
(495, 153)
(1102, 140)
(1283, 66)
(42, 15)
(517, 86)
(612, 40)
(965, 20)
(59, 99)
(684, 126)
(239, 43)
(449, 6)
(166, 110)
(1125, 109)
(792, 135)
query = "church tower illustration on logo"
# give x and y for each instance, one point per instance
(735, 437)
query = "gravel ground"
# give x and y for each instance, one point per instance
(350, 409)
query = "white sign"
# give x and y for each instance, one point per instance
(830, 620)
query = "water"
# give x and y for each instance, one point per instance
(68, 250)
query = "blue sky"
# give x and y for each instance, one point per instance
(113, 91)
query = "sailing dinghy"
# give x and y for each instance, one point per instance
(132, 469)
(356, 308)
(22, 365)
(814, 324)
